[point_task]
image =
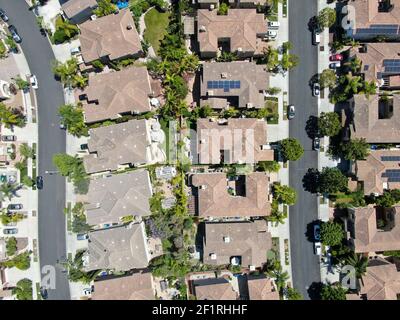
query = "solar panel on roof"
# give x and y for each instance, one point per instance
(390, 158)
(223, 84)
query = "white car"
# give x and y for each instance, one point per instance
(317, 248)
(273, 24)
(33, 81)
(87, 291)
(272, 34)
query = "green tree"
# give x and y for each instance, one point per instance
(329, 124)
(369, 88)
(291, 149)
(354, 65)
(332, 233)
(289, 61)
(72, 167)
(9, 118)
(268, 166)
(21, 261)
(388, 199)
(280, 277)
(351, 84)
(273, 91)
(79, 224)
(333, 292)
(326, 18)
(76, 271)
(223, 9)
(8, 190)
(331, 180)
(293, 294)
(72, 118)
(23, 290)
(11, 246)
(28, 181)
(21, 83)
(26, 151)
(68, 73)
(271, 58)
(328, 78)
(355, 149)
(284, 194)
(359, 262)
(227, 57)
(105, 7)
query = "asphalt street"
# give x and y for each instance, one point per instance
(52, 245)
(305, 265)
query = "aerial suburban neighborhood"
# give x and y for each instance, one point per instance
(200, 150)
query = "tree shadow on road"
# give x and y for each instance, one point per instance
(312, 127)
(311, 180)
(314, 291)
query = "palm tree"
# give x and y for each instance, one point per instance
(26, 151)
(369, 88)
(359, 262)
(354, 65)
(67, 71)
(353, 84)
(8, 190)
(7, 117)
(278, 218)
(279, 277)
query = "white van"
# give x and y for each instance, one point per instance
(316, 38)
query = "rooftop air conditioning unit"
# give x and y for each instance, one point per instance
(202, 29)
(210, 92)
(249, 105)
(239, 49)
(212, 7)
(129, 27)
(202, 141)
(227, 239)
(265, 147)
(224, 75)
(213, 256)
(252, 268)
(93, 17)
(203, 187)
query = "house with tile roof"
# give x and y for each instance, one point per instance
(137, 286)
(240, 31)
(114, 94)
(373, 229)
(262, 288)
(120, 249)
(77, 11)
(109, 38)
(217, 196)
(243, 243)
(214, 289)
(238, 84)
(113, 197)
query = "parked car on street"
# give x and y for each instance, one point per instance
(8, 138)
(316, 89)
(15, 206)
(10, 231)
(87, 291)
(33, 81)
(273, 24)
(315, 37)
(14, 34)
(334, 65)
(43, 293)
(316, 143)
(291, 112)
(82, 236)
(39, 182)
(3, 15)
(336, 57)
(317, 230)
(317, 248)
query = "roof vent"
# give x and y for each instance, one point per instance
(227, 239)
(249, 105)
(203, 187)
(202, 29)
(239, 49)
(213, 256)
(224, 75)
(129, 27)
(212, 7)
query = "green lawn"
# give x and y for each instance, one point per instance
(156, 23)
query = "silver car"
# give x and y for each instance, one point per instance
(291, 112)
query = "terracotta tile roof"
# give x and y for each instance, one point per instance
(109, 95)
(262, 288)
(241, 139)
(241, 26)
(122, 248)
(368, 125)
(366, 13)
(248, 240)
(138, 286)
(254, 80)
(214, 289)
(367, 236)
(372, 59)
(113, 36)
(213, 199)
(111, 198)
(118, 144)
(73, 7)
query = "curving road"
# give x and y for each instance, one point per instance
(305, 266)
(52, 245)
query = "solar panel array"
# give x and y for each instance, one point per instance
(377, 29)
(223, 84)
(390, 158)
(391, 65)
(393, 175)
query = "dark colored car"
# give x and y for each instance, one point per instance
(14, 206)
(3, 15)
(10, 231)
(317, 232)
(8, 138)
(43, 293)
(14, 34)
(316, 143)
(39, 182)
